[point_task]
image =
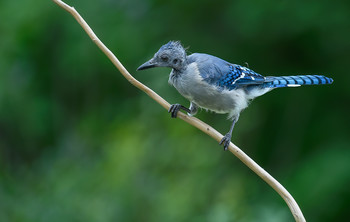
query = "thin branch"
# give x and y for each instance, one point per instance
(293, 206)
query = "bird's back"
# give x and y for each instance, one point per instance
(211, 68)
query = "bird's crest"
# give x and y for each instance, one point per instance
(172, 45)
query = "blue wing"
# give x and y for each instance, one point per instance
(240, 76)
(224, 74)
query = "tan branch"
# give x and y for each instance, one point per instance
(293, 206)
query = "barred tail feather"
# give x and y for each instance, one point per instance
(294, 81)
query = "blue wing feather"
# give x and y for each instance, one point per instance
(240, 76)
(224, 74)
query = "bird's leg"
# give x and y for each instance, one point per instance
(193, 109)
(227, 138)
(175, 108)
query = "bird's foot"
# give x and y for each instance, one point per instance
(174, 109)
(226, 141)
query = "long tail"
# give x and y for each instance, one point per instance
(294, 81)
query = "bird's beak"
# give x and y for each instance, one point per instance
(147, 65)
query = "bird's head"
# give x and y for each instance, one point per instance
(171, 55)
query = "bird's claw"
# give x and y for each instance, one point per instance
(174, 109)
(226, 141)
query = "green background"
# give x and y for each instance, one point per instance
(79, 143)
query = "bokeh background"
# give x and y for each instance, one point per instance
(79, 143)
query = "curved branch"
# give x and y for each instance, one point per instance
(292, 204)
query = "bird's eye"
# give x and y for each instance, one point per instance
(164, 58)
(175, 61)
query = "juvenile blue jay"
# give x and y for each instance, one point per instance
(212, 83)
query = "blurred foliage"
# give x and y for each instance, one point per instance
(79, 143)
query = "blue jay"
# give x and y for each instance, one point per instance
(212, 83)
